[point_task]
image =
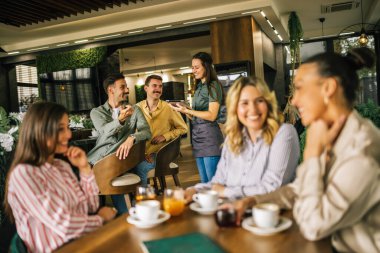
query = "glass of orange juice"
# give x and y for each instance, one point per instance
(145, 193)
(174, 201)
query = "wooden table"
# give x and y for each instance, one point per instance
(120, 236)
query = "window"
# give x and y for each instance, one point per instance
(27, 86)
(70, 88)
(367, 77)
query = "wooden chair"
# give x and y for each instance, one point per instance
(110, 172)
(165, 165)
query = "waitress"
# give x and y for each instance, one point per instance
(206, 134)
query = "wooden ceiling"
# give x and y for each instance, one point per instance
(28, 12)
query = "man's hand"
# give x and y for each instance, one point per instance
(107, 213)
(149, 158)
(219, 188)
(78, 158)
(158, 139)
(320, 137)
(123, 151)
(125, 112)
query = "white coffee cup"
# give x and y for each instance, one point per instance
(207, 199)
(147, 210)
(266, 215)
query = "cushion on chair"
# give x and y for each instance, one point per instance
(126, 179)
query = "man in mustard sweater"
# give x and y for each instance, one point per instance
(165, 124)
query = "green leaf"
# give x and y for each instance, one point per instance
(4, 121)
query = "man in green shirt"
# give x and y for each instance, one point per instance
(119, 126)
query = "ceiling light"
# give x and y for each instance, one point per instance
(163, 27)
(270, 23)
(137, 31)
(80, 41)
(347, 33)
(37, 48)
(363, 39)
(262, 14)
(63, 44)
(184, 67)
(275, 31)
(248, 12)
(107, 36)
(149, 72)
(14, 52)
(279, 36)
(197, 21)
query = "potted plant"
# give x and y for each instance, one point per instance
(295, 34)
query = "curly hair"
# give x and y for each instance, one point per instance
(234, 127)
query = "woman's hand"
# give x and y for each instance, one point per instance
(78, 158)
(320, 137)
(219, 188)
(107, 213)
(179, 108)
(189, 192)
(239, 206)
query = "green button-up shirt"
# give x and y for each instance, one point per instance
(112, 134)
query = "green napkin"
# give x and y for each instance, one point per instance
(188, 243)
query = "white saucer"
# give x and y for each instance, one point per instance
(162, 217)
(250, 225)
(197, 208)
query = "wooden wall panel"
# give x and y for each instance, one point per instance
(237, 39)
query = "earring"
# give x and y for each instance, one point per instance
(325, 100)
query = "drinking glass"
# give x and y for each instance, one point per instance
(145, 193)
(174, 201)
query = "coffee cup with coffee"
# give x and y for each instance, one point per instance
(207, 199)
(266, 215)
(146, 211)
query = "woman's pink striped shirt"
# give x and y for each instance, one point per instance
(50, 206)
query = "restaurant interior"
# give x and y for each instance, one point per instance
(61, 51)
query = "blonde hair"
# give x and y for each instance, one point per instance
(234, 128)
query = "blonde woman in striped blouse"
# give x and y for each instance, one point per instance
(260, 153)
(43, 196)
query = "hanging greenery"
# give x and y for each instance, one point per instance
(81, 58)
(295, 36)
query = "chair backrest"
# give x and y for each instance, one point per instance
(111, 167)
(165, 155)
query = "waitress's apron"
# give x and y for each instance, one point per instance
(207, 138)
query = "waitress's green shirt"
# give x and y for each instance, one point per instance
(203, 97)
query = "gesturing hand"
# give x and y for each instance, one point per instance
(78, 158)
(125, 112)
(179, 108)
(320, 137)
(123, 151)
